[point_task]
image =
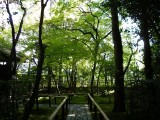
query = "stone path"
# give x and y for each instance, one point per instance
(79, 112)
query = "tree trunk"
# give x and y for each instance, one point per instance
(94, 65)
(74, 73)
(119, 95)
(60, 81)
(29, 106)
(67, 77)
(49, 79)
(99, 73)
(12, 62)
(55, 81)
(147, 49)
(107, 84)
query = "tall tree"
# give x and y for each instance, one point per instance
(34, 95)
(12, 63)
(139, 11)
(119, 95)
(94, 20)
(144, 26)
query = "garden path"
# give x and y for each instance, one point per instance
(79, 112)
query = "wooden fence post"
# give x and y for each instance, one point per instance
(37, 104)
(100, 116)
(55, 100)
(95, 111)
(67, 105)
(62, 112)
(69, 98)
(49, 101)
(90, 105)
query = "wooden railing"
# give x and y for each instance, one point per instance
(63, 105)
(102, 115)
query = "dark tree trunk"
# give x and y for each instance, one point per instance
(55, 81)
(94, 65)
(29, 106)
(12, 61)
(148, 71)
(74, 74)
(71, 80)
(49, 79)
(67, 77)
(119, 95)
(60, 73)
(92, 77)
(99, 73)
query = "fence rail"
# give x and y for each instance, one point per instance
(91, 103)
(102, 116)
(62, 105)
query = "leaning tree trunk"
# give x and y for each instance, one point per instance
(29, 106)
(119, 95)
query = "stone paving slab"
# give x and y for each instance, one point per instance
(79, 112)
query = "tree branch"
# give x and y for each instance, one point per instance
(129, 61)
(21, 23)
(94, 16)
(83, 43)
(10, 20)
(46, 2)
(107, 35)
(85, 33)
(130, 58)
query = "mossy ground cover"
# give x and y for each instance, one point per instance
(42, 114)
(44, 110)
(79, 99)
(107, 107)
